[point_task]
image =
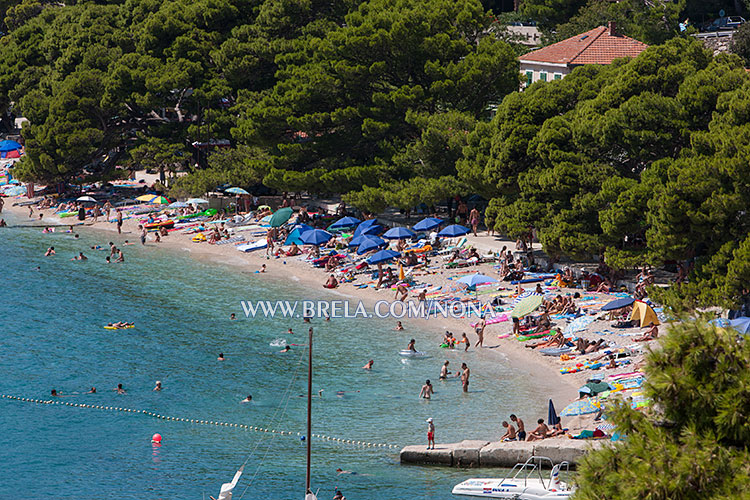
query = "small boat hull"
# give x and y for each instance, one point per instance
(530, 489)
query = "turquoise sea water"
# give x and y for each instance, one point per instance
(51, 336)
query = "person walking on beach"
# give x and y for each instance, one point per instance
(2, 203)
(427, 390)
(119, 221)
(521, 428)
(465, 372)
(430, 433)
(480, 332)
(474, 219)
(144, 232)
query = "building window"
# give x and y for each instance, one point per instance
(529, 77)
(543, 76)
(558, 76)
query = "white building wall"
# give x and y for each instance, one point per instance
(532, 71)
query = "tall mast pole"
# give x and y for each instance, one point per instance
(309, 406)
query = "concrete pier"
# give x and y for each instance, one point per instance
(471, 453)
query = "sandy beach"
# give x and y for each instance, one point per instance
(562, 388)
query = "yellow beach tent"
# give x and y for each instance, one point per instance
(643, 313)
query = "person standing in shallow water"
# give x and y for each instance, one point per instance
(465, 372)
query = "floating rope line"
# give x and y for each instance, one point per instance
(322, 437)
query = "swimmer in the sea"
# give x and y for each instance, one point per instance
(232, 316)
(92, 391)
(119, 389)
(80, 256)
(54, 393)
(369, 364)
(411, 346)
(221, 357)
(248, 399)
(290, 332)
(286, 349)
(399, 326)
(50, 251)
(158, 385)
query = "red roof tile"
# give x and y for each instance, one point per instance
(597, 46)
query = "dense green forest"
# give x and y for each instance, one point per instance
(405, 102)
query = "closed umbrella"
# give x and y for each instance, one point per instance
(344, 222)
(477, 279)
(552, 418)
(427, 223)
(453, 230)
(618, 304)
(383, 256)
(741, 324)
(370, 243)
(526, 306)
(236, 190)
(281, 216)
(86, 198)
(315, 237)
(399, 233)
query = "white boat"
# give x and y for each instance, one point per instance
(524, 482)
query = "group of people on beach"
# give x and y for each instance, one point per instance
(515, 430)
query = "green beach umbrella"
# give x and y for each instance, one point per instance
(281, 216)
(526, 306)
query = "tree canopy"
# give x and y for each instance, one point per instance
(694, 444)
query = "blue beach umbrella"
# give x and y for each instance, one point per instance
(373, 230)
(741, 324)
(383, 256)
(454, 230)
(427, 223)
(364, 225)
(6, 146)
(398, 233)
(477, 279)
(315, 237)
(236, 190)
(370, 243)
(344, 222)
(552, 418)
(357, 240)
(618, 304)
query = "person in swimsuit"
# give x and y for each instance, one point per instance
(158, 386)
(521, 429)
(248, 399)
(430, 433)
(444, 371)
(510, 432)
(50, 251)
(369, 364)
(119, 389)
(411, 347)
(399, 326)
(427, 390)
(480, 332)
(221, 357)
(540, 432)
(465, 341)
(119, 221)
(465, 372)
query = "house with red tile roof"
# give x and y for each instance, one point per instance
(600, 45)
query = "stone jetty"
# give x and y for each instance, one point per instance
(473, 453)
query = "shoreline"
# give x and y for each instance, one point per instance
(561, 388)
